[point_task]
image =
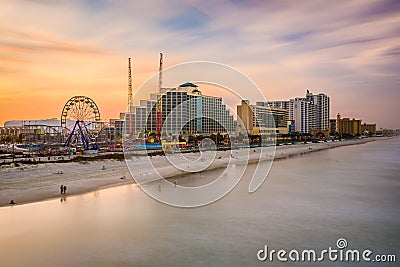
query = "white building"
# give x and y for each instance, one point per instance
(320, 111)
(184, 110)
(278, 104)
(299, 112)
(309, 113)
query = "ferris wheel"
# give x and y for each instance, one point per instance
(80, 120)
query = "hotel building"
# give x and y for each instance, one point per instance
(310, 114)
(299, 112)
(262, 119)
(319, 111)
(367, 128)
(348, 127)
(184, 110)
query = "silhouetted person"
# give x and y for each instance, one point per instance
(65, 189)
(12, 202)
(62, 189)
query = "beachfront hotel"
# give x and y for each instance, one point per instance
(299, 112)
(262, 119)
(347, 126)
(368, 128)
(184, 110)
(309, 114)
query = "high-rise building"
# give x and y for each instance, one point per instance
(245, 117)
(184, 110)
(345, 126)
(299, 112)
(309, 114)
(319, 111)
(262, 119)
(277, 104)
(280, 115)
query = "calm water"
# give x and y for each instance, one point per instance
(307, 202)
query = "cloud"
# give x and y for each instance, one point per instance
(348, 46)
(29, 42)
(189, 18)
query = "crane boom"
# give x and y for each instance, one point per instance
(129, 81)
(159, 104)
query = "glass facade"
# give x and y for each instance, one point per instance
(184, 110)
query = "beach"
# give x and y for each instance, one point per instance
(32, 183)
(307, 202)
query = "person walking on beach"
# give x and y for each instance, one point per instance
(65, 189)
(62, 189)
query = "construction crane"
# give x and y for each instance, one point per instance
(159, 104)
(129, 82)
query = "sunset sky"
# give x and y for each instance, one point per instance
(53, 50)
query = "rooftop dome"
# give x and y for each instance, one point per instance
(188, 84)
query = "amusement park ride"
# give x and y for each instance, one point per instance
(80, 118)
(80, 122)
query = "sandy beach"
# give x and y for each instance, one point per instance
(32, 183)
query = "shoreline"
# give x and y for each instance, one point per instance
(42, 183)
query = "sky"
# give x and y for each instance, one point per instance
(53, 50)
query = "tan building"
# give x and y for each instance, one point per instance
(245, 114)
(347, 126)
(257, 119)
(368, 128)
